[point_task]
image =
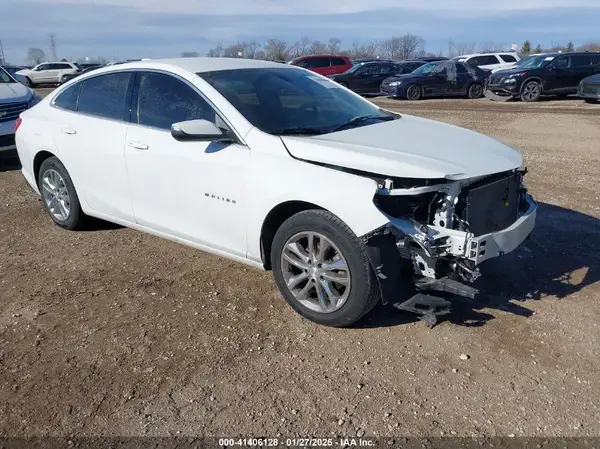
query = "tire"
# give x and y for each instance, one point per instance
(590, 100)
(29, 82)
(475, 91)
(343, 84)
(414, 92)
(531, 91)
(362, 292)
(75, 218)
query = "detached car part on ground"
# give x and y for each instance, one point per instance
(284, 170)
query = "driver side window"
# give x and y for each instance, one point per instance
(164, 100)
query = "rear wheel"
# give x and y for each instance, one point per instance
(322, 269)
(59, 196)
(475, 91)
(531, 91)
(414, 92)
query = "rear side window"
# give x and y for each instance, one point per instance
(67, 99)
(105, 95)
(316, 63)
(484, 60)
(337, 61)
(304, 63)
(508, 58)
(580, 61)
(595, 59)
(164, 100)
(64, 66)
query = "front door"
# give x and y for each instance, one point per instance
(559, 75)
(192, 190)
(437, 81)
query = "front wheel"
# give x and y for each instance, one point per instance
(475, 91)
(322, 269)
(59, 196)
(414, 92)
(590, 100)
(531, 91)
(29, 83)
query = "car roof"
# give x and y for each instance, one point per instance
(201, 64)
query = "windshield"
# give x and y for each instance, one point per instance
(533, 62)
(5, 77)
(424, 69)
(292, 101)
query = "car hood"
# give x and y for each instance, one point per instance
(592, 79)
(409, 147)
(513, 71)
(12, 92)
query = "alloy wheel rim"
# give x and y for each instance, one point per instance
(476, 91)
(56, 195)
(315, 272)
(531, 91)
(412, 92)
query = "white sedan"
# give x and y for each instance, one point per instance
(285, 170)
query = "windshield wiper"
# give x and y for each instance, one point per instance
(299, 131)
(362, 118)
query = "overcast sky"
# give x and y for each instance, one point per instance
(163, 28)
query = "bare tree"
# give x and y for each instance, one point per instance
(235, 51)
(302, 47)
(334, 45)
(250, 49)
(317, 48)
(589, 46)
(410, 45)
(216, 52)
(489, 47)
(35, 55)
(372, 49)
(459, 48)
(189, 54)
(276, 49)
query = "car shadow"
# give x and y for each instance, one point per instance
(9, 161)
(561, 258)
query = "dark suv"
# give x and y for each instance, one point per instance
(545, 74)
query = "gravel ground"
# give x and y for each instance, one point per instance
(114, 332)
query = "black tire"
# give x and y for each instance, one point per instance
(414, 92)
(76, 218)
(531, 91)
(364, 287)
(344, 84)
(475, 91)
(29, 82)
(590, 100)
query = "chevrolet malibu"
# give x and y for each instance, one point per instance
(283, 169)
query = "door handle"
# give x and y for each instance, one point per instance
(138, 145)
(69, 131)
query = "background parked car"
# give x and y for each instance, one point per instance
(14, 99)
(437, 79)
(490, 61)
(547, 74)
(366, 78)
(589, 89)
(323, 64)
(13, 72)
(69, 76)
(48, 73)
(431, 58)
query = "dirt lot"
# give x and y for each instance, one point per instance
(113, 332)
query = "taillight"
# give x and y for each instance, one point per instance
(18, 123)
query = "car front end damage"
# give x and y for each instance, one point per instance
(444, 230)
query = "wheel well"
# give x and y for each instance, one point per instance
(38, 160)
(537, 80)
(274, 220)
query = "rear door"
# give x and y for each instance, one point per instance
(339, 65)
(91, 140)
(581, 67)
(383, 71)
(459, 78)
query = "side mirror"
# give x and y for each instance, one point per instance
(201, 130)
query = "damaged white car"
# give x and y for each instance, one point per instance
(285, 170)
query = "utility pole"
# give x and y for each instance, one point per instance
(2, 59)
(53, 47)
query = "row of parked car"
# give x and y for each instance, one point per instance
(498, 76)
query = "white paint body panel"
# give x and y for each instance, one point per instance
(167, 188)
